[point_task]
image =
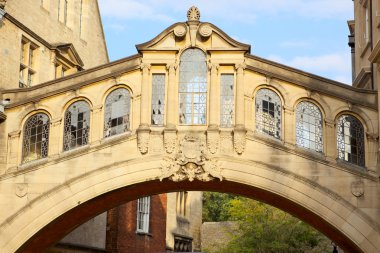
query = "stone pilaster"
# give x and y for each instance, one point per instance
(214, 105)
(96, 120)
(239, 100)
(55, 137)
(143, 131)
(330, 139)
(13, 148)
(172, 97)
(289, 126)
(239, 130)
(144, 102)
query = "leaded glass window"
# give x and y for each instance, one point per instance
(192, 87)
(227, 100)
(36, 138)
(309, 126)
(268, 113)
(77, 125)
(158, 99)
(116, 115)
(350, 140)
(143, 210)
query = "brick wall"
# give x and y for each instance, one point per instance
(121, 228)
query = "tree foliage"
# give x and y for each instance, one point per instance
(263, 228)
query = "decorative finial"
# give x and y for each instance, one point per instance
(193, 14)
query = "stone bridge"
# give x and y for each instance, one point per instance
(193, 110)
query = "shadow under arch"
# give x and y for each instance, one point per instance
(62, 225)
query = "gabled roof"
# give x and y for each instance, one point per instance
(67, 50)
(200, 30)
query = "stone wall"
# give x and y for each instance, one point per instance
(216, 235)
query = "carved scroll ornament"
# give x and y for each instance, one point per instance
(191, 162)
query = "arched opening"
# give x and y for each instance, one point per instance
(56, 229)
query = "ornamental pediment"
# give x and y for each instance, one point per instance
(193, 33)
(68, 54)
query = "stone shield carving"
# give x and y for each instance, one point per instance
(191, 162)
(357, 188)
(21, 190)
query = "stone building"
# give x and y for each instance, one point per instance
(193, 110)
(57, 39)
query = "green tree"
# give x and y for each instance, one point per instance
(260, 227)
(216, 206)
(263, 228)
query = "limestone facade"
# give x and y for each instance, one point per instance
(51, 40)
(187, 142)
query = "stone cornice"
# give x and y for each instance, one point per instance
(367, 98)
(75, 81)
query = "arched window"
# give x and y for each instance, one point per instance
(309, 126)
(36, 138)
(268, 113)
(77, 125)
(192, 87)
(117, 110)
(350, 140)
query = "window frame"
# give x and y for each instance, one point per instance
(197, 119)
(143, 214)
(232, 105)
(341, 140)
(321, 130)
(127, 117)
(260, 125)
(156, 105)
(86, 117)
(45, 130)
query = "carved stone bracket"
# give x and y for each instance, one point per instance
(170, 140)
(143, 134)
(213, 140)
(239, 140)
(191, 162)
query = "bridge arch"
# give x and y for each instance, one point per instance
(57, 211)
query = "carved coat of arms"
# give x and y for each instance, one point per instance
(191, 162)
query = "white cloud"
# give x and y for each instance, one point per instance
(335, 66)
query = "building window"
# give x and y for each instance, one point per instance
(117, 110)
(182, 203)
(182, 244)
(27, 62)
(36, 138)
(158, 99)
(309, 126)
(62, 11)
(268, 113)
(80, 17)
(143, 210)
(65, 11)
(192, 87)
(350, 140)
(77, 125)
(367, 24)
(227, 100)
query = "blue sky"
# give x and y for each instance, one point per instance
(306, 34)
